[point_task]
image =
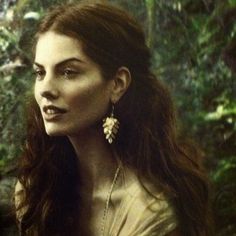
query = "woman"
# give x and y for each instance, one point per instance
(101, 154)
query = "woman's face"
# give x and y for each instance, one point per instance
(69, 88)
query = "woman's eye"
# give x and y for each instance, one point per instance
(68, 73)
(39, 73)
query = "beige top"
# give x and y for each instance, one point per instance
(138, 213)
(133, 212)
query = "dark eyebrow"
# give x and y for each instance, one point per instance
(62, 62)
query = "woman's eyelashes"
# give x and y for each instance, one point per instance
(66, 73)
(39, 73)
(69, 73)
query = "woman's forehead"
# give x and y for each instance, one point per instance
(53, 48)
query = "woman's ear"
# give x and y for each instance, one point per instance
(121, 82)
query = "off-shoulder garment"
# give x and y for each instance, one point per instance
(140, 214)
(134, 213)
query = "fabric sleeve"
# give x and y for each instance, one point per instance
(150, 218)
(157, 223)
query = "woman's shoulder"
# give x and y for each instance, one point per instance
(146, 194)
(18, 195)
(18, 187)
(150, 203)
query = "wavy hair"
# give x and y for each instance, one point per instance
(147, 139)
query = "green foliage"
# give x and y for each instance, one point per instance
(195, 54)
(193, 45)
(225, 201)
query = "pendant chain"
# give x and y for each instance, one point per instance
(105, 212)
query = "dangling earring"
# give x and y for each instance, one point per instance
(110, 126)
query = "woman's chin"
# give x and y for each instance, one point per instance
(55, 132)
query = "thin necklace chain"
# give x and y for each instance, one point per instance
(105, 212)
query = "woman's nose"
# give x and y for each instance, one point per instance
(49, 89)
(49, 94)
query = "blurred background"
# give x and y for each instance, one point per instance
(194, 52)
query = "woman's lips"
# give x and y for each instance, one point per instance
(52, 113)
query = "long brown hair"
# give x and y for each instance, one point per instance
(147, 139)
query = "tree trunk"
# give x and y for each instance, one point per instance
(151, 6)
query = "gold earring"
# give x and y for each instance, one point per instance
(110, 126)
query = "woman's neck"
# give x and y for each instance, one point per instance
(97, 162)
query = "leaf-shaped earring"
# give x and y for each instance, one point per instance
(110, 126)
